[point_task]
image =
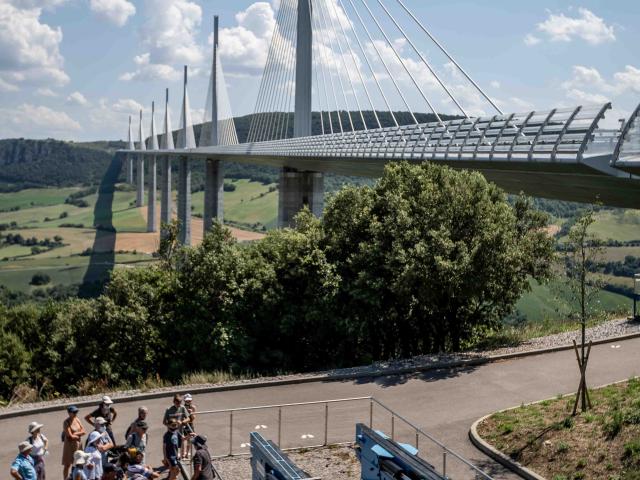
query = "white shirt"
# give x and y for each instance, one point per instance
(38, 445)
(96, 460)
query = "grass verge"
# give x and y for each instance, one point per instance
(602, 444)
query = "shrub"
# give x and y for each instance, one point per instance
(229, 187)
(40, 279)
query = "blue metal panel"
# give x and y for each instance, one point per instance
(383, 459)
(268, 462)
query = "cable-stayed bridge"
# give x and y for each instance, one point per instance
(340, 59)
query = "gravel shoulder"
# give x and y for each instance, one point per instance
(331, 463)
(604, 331)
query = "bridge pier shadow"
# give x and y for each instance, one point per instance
(102, 257)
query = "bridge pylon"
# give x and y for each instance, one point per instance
(214, 171)
(140, 167)
(301, 188)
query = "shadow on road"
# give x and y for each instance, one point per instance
(434, 375)
(103, 256)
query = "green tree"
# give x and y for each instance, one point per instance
(583, 249)
(431, 256)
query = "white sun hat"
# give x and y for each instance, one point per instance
(107, 400)
(33, 426)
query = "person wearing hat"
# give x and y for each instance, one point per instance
(40, 448)
(79, 471)
(106, 411)
(72, 433)
(202, 465)
(138, 438)
(171, 443)
(94, 456)
(98, 444)
(22, 467)
(189, 426)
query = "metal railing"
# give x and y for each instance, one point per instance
(323, 423)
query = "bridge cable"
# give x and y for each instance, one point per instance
(344, 62)
(317, 97)
(290, 84)
(373, 73)
(319, 60)
(333, 35)
(403, 66)
(357, 65)
(261, 97)
(424, 60)
(256, 119)
(275, 129)
(439, 45)
(277, 40)
(274, 79)
(333, 88)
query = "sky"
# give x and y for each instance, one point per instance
(76, 69)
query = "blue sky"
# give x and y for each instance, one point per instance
(76, 69)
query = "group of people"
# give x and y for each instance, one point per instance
(101, 458)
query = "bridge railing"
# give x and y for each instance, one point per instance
(323, 423)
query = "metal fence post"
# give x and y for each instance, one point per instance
(280, 427)
(326, 423)
(417, 439)
(370, 413)
(393, 427)
(444, 463)
(231, 433)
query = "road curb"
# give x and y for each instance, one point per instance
(497, 455)
(471, 362)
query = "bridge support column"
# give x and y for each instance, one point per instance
(165, 194)
(297, 190)
(129, 167)
(213, 193)
(152, 224)
(140, 182)
(184, 201)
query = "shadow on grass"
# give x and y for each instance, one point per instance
(102, 263)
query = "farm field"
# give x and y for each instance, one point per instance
(43, 214)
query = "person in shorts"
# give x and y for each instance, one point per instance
(171, 443)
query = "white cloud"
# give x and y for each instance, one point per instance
(148, 71)
(7, 87)
(76, 98)
(29, 49)
(586, 77)
(125, 105)
(170, 32)
(587, 26)
(29, 120)
(45, 4)
(495, 83)
(583, 97)
(246, 45)
(530, 40)
(46, 92)
(628, 80)
(113, 11)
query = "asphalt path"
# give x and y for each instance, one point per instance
(443, 402)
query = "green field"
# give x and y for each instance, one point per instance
(251, 204)
(622, 226)
(35, 197)
(553, 302)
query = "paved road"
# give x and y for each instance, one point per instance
(443, 402)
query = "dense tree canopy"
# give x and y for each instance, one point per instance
(426, 260)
